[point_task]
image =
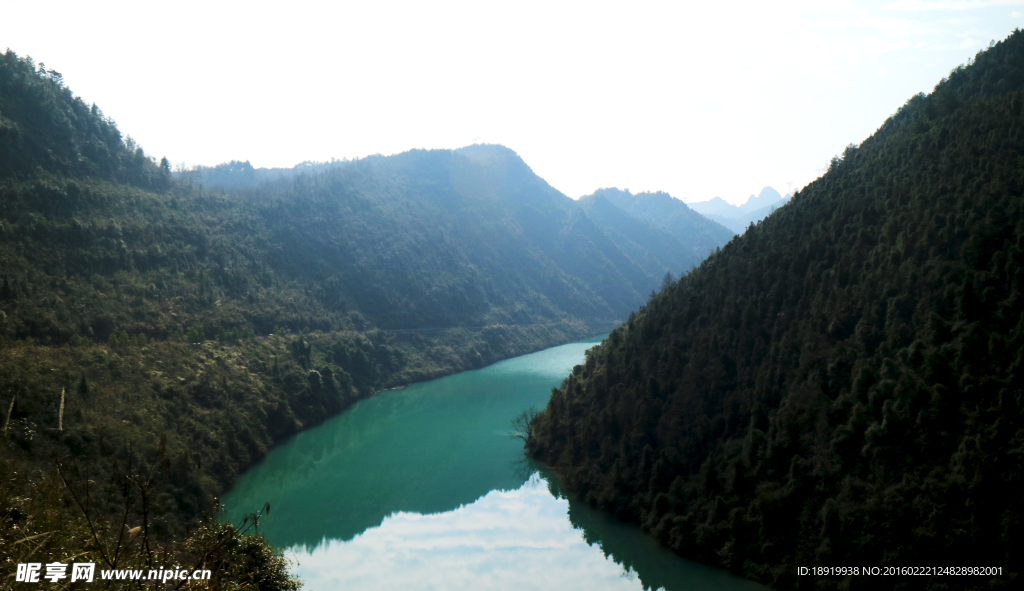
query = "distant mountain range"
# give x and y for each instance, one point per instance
(692, 231)
(738, 217)
(658, 230)
(511, 241)
(654, 229)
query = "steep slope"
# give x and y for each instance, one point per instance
(699, 235)
(418, 240)
(44, 127)
(441, 238)
(134, 305)
(652, 247)
(842, 385)
(759, 214)
(94, 431)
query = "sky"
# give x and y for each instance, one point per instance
(698, 99)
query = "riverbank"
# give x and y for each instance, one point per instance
(198, 415)
(425, 488)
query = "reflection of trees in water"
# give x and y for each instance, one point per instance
(596, 533)
(638, 554)
(523, 468)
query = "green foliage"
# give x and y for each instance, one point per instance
(222, 404)
(73, 512)
(122, 339)
(235, 334)
(694, 235)
(419, 241)
(44, 127)
(195, 335)
(146, 299)
(844, 383)
(240, 561)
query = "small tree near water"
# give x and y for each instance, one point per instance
(522, 425)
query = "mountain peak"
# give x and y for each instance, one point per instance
(715, 206)
(489, 153)
(766, 197)
(770, 194)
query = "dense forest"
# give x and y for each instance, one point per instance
(160, 330)
(655, 224)
(843, 384)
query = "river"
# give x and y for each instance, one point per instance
(424, 488)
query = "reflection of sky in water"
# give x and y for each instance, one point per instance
(429, 448)
(506, 540)
(518, 539)
(423, 488)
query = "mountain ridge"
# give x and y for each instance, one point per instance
(738, 217)
(668, 214)
(840, 384)
(172, 327)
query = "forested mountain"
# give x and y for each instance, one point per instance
(507, 225)
(442, 238)
(841, 385)
(698, 235)
(738, 217)
(102, 445)
(236, 175)
(653, 247)
(423, 239)
(45, 129)
(136, 305)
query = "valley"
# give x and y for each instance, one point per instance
(275, 371)
(175, 327)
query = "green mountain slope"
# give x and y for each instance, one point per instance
(43, 127)
(842, 385)
(419, 240)
(699, 234)
(651, 246)
(135, 305)
(447, 238)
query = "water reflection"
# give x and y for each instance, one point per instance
(519, 539)
(636, 552)
(423, 488)
(429, 448)
(490, 544)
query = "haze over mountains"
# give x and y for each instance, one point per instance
(841, 385)
(143, 303)
(419, 240)
(600, 259)
(693, 233)
(738, 217)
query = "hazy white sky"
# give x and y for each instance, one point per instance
(697, 99)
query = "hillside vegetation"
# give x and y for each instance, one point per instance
(655, 224)
(843, 384)
(151, 325)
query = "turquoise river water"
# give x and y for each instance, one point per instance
(424, 488)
